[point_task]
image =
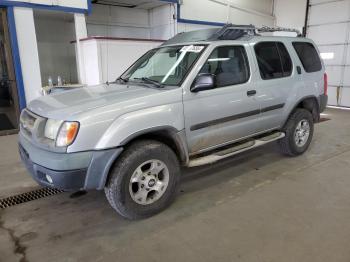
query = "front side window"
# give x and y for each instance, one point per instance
(165, 65)
(273, 59)
(308, 56)
(229, 65)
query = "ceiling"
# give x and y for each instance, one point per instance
(141, 4)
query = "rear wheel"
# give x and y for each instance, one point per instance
(144, 180)
(299, 132)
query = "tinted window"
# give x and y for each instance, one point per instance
(229, 64)
(308, 56)
(273, 60)
(287, 64)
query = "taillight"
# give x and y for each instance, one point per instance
(325, 80)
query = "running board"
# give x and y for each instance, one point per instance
(219, 155)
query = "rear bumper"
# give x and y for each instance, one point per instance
(323, 102)
(91, 174)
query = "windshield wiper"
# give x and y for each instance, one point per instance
(151, 81)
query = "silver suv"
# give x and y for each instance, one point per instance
(200, 97)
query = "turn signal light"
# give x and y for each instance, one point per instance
(67, 134)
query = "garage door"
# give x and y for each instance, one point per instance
(329, 27)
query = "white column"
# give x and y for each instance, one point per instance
(80, 32)
(28, 51)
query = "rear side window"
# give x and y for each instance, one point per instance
(308, 56)
(273, 59)
(229, 64)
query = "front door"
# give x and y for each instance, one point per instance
(9, 110)
(227, 112)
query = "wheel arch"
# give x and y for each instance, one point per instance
(311, 104)
(168, 135)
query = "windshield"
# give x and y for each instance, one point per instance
(165, 65)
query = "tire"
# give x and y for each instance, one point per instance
(289, 145)
(139, 162)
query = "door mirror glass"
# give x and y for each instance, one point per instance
(203, 82)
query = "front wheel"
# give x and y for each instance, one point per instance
(299, 131)
(144, 180)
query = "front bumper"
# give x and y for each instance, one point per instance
(86, 170)
(65, 180)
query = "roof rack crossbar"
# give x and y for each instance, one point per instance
(265, 29)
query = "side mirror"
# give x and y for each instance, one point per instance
(203, 82)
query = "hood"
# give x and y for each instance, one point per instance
(67, 104)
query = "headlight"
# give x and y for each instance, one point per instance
(51, 128)
(67, 134)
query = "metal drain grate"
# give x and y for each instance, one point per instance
(28, 196)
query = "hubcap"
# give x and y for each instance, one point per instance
(302, 133)
(149, 182)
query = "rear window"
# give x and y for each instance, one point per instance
(273, 60)
(308, 56)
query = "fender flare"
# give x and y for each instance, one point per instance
(177, 137)
(316, 114)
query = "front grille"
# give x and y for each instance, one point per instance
(28, 196)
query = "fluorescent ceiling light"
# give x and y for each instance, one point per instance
(327, 56)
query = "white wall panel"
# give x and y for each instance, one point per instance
(239, 17)
(114, 21)
(332, 96)
(162, 22)
(328, 26)
(181, 27)
(111, 21)
(337, 51)
(346, 80)
(328, 34)
(204, 10)
(315, 2)
(105, 60)
(334, 75)
(91, 64)
(247, 12)
(28, 50)
(329, 13)
(345, 97)
(348, 55)
(290, 14)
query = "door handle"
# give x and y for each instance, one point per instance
(251, 93)
(299, 70)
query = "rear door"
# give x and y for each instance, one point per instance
(279, 79)
(312, 67)
(229, 111)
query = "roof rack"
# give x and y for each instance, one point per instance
(227, 32)
(233, 32)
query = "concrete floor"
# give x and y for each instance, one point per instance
(259, 206)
